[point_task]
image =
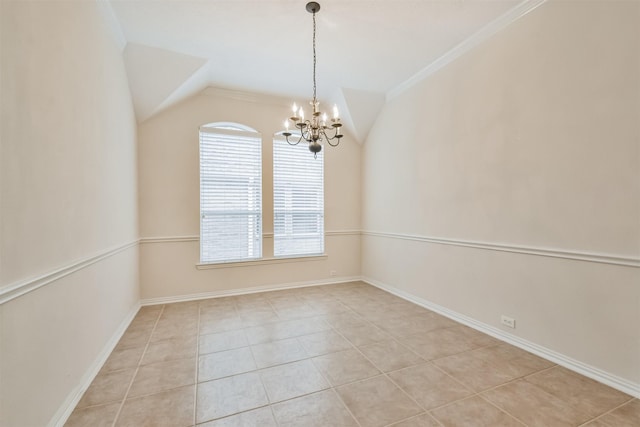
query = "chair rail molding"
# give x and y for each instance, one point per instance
(519, 249)
(22, 287)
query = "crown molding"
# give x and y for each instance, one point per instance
(466, 45)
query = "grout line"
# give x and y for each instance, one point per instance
(197, 370)
(337, 395)
(126, 394)
(501, 409)
(608, 412)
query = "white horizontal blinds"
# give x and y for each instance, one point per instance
(298, 200)
(230, 194)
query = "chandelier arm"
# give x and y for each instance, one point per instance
(294, 143)
(334, 137)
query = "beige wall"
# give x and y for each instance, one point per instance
(169, 200)
(68, 192)
(531, 140)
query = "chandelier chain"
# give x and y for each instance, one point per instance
(314, 57)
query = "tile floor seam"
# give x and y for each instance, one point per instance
(502, 410)
(607, 412)
(448, 375)
(126, 394)
(344, 404)
(197, 369)
(405, 392)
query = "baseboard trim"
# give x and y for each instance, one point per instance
(65, 410)
(527, 250)
(589, 371)
(18, 289)
(245, 291)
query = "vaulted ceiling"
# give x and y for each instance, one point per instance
(366, 49)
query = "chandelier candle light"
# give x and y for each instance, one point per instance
(314, 130)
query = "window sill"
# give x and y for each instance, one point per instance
(261, 261)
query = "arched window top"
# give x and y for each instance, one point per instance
(232, 126)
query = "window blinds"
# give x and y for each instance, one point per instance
(298, 200)
(230, 194)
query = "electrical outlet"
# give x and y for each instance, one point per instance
(333, 273)
(508, 321)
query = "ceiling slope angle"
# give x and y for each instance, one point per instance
(159, 77)
(361, 108)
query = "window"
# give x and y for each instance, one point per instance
(298, 200)
(230, 193)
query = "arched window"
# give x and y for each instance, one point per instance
(230, 193)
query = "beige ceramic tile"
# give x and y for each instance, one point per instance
(228, 396)
(142, 324)
(534, 406)
(214, 325)
(390, 355)
(474, 412)
(222, 341)
(94, 416)
(211, 312)
(180, 309)
(438, 343)
(363, 335)
(169, 329)
(163, 376)
(429, 386)
(278, 352)
(377, 402)
(415, 324)
(584, 394)
(258, 317)
(344, 320)
(298, 311)
(171, 349)
(148, 313)
(323, 343)
(424, 420)
(285, 329)
(261, 417)
(321, 409)
(122, 358)
(173, 408)
(345, 367)
(600, 423)
(180, 316)
(292, 380)
(135, 337)
(473, 371)
(107, 387)
(512, 361)
(225, 363)
(626, 416)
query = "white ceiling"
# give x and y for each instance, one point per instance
(366, 48)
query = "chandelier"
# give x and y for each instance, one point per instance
(318, 129)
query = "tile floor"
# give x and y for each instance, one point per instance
(338, 355)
